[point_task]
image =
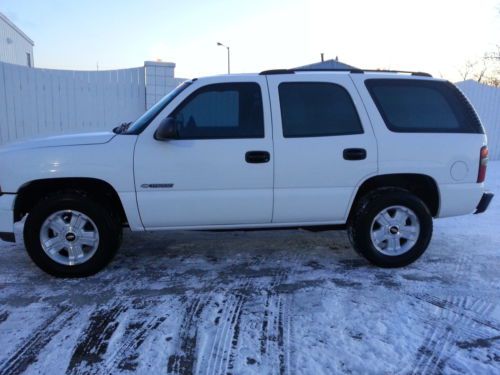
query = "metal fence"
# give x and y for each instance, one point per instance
(486, 101)
(36, 102)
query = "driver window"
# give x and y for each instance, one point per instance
(229, 110)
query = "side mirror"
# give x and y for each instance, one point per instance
(167, 130)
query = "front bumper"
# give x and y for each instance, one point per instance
(7, 217)
(484, 202)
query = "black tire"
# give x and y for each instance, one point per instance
(368, 207)
(108, 227)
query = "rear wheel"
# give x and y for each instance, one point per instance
(69, 234)
(391, 227)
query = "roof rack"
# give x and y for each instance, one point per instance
(276, 71)
(354, 71)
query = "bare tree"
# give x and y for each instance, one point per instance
(467, 70)
(481, 72)
(485, 70)
(492, 59)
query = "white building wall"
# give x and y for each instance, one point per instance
(14, 44)
(486, 101)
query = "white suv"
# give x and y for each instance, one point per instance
(381, 153)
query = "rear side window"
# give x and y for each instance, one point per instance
(218, 111)
(315, 109)
(422, 106)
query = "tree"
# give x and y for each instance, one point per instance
(486, 70)
(493, 61)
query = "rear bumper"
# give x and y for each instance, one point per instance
(7, 217)
(484, 202)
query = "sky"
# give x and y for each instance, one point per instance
(437, 36)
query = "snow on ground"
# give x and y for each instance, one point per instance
(287, 302)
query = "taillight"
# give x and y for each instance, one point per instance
(483, 162)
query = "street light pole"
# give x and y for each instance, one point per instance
(228, 57)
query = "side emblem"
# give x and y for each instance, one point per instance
(157, 186)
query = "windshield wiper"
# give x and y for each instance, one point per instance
(122, 128)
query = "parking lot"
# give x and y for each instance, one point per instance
(264, 302)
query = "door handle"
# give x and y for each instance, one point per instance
(257, 157)
(354, 154)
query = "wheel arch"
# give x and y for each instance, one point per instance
(32, 192)
(423, 186)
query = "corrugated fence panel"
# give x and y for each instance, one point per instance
(38, 102)
(4, 131)
(486, 101)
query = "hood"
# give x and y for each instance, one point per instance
(62, 140)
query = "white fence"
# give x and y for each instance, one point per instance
(486, 101)
(37, 102)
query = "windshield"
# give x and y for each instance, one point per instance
(142, 122)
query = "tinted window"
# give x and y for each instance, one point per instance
(314, 109)
(423, 106)
(229, 110)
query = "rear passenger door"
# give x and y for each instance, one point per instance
(324, 146)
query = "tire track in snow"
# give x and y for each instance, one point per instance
(93, 343)
(455, 325)
(206, 360)
(277, 322)
(235, 322)
(272, 338)
(183, 362)
(230, 340)
(221, 357)
(223, 352)
(127, 355)
(440, 342)
(28, 353)
(476, 310)
(280, 337)
(3, 316)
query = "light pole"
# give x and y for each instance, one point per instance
(228, 57)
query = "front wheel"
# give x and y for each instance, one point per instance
(391, 227)
(69, 234)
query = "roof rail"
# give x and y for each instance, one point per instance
(422, 74)
(276, 71)
(352, 70)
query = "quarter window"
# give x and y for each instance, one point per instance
(411, 105)
(229, 110)
(315, 109)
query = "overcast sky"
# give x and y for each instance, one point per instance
(437, 36)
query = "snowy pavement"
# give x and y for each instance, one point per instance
(285, 302)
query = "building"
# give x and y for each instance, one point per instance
(15, 46)
(327, 64)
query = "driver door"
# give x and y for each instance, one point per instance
(214, 172)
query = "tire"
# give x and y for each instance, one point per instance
(96, 234)
(390, 243)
